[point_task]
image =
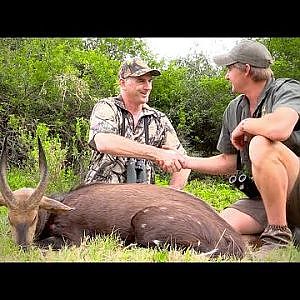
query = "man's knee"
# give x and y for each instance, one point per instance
(259, 149)
(241, 222)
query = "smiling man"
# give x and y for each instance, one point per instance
(260, 136)
(127, 135)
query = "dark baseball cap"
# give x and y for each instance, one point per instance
(247, 52)
(136, 67)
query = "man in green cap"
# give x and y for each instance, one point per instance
(128, 136)
(260, 136)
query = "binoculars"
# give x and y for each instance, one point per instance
(136, 171)
(245, 184)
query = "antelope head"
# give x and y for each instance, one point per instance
(23, 204)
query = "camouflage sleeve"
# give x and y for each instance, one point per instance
(104, 119)
(171, 138)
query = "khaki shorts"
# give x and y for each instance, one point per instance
(255, 207)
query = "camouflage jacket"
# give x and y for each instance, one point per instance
(108, 116)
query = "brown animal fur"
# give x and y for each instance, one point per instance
(143, 213)
(148, 215)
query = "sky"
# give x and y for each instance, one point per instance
(170, 48)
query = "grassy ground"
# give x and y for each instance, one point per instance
(111, 249)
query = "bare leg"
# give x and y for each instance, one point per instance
(275, 169)
(241, 222)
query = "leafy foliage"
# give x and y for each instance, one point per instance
(57, 81)
(285, 52)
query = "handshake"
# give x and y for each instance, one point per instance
(170, 160)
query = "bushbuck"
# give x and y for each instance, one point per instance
(144, 214)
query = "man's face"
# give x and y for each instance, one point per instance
(235, 76)
(138, 89)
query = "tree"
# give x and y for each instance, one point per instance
(285, 52)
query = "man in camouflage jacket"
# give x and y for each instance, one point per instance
(125, 127)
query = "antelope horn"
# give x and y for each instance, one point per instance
(4, 187)
(37, 195)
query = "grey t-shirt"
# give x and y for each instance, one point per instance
(283, 92)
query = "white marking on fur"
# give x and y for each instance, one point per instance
(156, 242)
(170, 217)
(163, 208)
(143, 225)
(145, 210)
(209, 253)
(132, 245)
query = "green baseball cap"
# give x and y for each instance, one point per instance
(136, 67)
(247, 52)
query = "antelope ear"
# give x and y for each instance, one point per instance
(54, 205)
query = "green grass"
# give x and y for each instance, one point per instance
(214, 191)
(111, 249)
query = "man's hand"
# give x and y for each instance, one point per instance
(239, 137)
(170, 160)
